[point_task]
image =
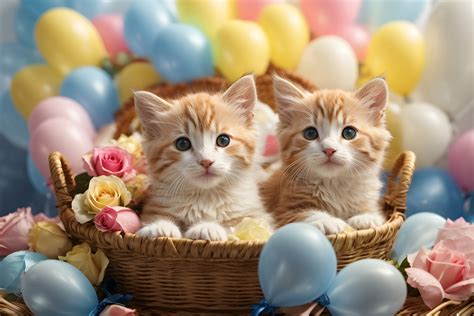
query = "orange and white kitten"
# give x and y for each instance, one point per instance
(200, 151)
(332, 147)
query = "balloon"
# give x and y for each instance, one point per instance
(296, 265)
(31, 85)
(287, 34)
(12, 124)
(394, 126)
(14, 57)
(94, 8)
(68, 40)
(143, 21)
(4, 83)
(376, 12)
(8, 11)
(368, 287)
(426, 131)
(53, 287)
(418, 230)
(64, 108)
(206, 15)
(460, 160)
(329, 16)
(358, 37)
(433, 190)
(447, 80)
(241, 47)
(94, 90)
(251, 9)
(330, 63)
(397, 51)
(110, 28)
(36, 179)
(182, 53)
(135, 76)
(13, 266)
(59, 134)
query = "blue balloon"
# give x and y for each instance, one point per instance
(368, 287)
(418, 230)
(94, 89)
(53, 287)
(182, 53)
(377, 12)
(12, 125)
(93, 8)
(13, 266)
(142, 22)
(296, 265)
(15, 56)
(36, 178)
(434, 190)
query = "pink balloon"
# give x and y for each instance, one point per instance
(329, 16)
(110, 28)
(61, 107)
(59, 134)
(250, 9)
(461, 160)
(358, 37)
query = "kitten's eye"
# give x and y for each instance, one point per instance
(349, 133)
(183, 144)
(310, 133)
(223, 140)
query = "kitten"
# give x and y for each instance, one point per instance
(332, 147)
(200, 151)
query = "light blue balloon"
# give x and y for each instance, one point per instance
(93, 8)
(296, 265)
(12, 125)
(143, 21)
(379, 12)
(14, 56)
(54, 287)
(182, 53)
(13, 266)
(94, 89)
(36, 178)
(369, 287)
(418, 230)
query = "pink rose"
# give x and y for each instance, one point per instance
(109, 161)
(117, 310)
(14, 229)
(117, 218)
(456, 229)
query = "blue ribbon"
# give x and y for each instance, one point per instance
(107, 287)
(323, 300)
(263, 307)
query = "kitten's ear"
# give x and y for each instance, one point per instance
(287, 95)
(242, 94)
(374, 95)
(149, 107)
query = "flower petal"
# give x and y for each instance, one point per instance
(460, 291)
(430, 289)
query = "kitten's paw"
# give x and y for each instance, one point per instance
(206, 231)
(367, 220)
(326, 223)
(161, 228)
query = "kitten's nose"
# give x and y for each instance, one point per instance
(329, 151)
(206, 163)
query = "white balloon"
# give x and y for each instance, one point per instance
(426, 131)
(448, 77)
(330, 63)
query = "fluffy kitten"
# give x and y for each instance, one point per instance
(200, 151)
(332, 146)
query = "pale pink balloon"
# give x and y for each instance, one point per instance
(59, 134)
(250, 9)
(329, 16)
(358, 37)
(461, 160)
(110, 28)
(61, 107)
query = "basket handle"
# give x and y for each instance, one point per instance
(63, 180)
(399, 181)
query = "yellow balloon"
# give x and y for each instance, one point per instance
(397, 51)
(394, 125)
(207, 15)
(287, 33)
(135, 76)
(32, 84)
(241, 47)
(68, 40)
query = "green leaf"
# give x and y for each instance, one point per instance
(82, 182)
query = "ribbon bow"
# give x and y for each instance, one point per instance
(263, 307)
(107, 287)
(323, 300)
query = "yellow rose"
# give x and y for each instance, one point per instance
(138, 186)
(132, 144)
(92, 265)
(49, 239)
(103, 191)
(252, 229)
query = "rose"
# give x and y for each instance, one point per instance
(47, 238)
(93, 265)
(117, 310)
(138, 186)
(117, 218)
(251, 229)
(109, 161)
(133, 145)
(103, 191)
(454, 230)
(14, 229)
